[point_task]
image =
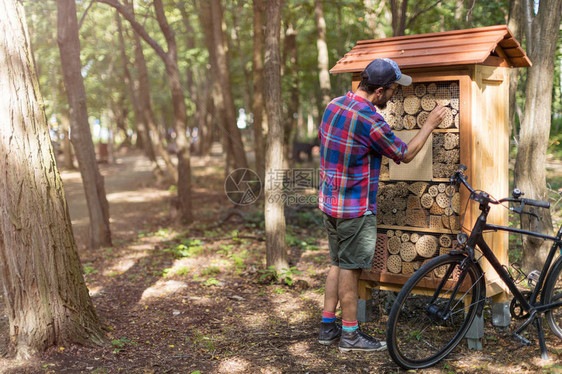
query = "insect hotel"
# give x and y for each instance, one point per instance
(419, 212)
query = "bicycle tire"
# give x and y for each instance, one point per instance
(552, 293)
(419, 332)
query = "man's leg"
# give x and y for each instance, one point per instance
(330, 332)
(348, 293)
(331, 297)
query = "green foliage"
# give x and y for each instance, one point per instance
(120, 344)
(188, 248)
(88, 269)
(285, 275)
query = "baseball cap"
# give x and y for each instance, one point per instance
(384, 71)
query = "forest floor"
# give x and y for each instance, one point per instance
(196, 298)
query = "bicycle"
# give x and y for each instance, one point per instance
(436, 306)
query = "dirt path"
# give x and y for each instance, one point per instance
(130, 189)
(195, 299)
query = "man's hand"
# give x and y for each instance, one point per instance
(433, 120)
(436, 116)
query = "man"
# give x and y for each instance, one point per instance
(354, 137)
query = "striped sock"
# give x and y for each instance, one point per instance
(328, 317)
(350, 326)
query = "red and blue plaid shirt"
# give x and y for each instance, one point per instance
(354, 137)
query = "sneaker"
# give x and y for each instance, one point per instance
(359, 341)
(329, 333)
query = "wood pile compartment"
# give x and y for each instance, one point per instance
(419, 219)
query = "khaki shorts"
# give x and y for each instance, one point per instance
(352, 241)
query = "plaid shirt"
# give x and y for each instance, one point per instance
(353, 139)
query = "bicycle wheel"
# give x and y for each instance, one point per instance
(433, 311)
(551, 294)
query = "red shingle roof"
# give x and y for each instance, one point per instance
(459, 47)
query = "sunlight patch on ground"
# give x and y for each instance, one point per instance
(301, 349)
(233, 365)
(254, 320)
(163, 288)
(142, 196)
(94, 291)
(122, 266)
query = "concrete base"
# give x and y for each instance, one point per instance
(501, 317)
(475, 333)
(364, 310)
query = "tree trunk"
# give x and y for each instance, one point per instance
(69, 45)
(67, 152)
(178, 100)
(219, 106)
(141, 126)
(323, 61)
(224, 79)
(514, 22)
(530, 171)
(398, 9)
(145, 103)
(47, 301)
(276, 249)
(258, 104)
(291, 72)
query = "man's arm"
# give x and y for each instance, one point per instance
(416, 144)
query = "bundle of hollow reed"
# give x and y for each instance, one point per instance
(403, 189)
(450, 141)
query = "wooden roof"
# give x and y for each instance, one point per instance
(494, 45)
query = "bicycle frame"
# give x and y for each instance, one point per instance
(476, 239)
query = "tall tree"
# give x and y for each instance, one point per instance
(141, 126)
(69, 46)
(145, 103)
(276, 248)
(170, 59)
(530, 173)
(257, 103)
(323, 60)
(46, 298)
(223, 75)
(291, 72)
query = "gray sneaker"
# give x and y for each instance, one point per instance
(359, 341)
(329, 333)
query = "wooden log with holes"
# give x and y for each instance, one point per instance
(426, 246)
(418, 188)
(414, 237)
(426, 201)
(435, 222)
(416, 218)
(445, 241)
(394, 245)
(413, 202)
(408, 251)
(394, 264)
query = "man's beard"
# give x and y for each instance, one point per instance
(382, 106)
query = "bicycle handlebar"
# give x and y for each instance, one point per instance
(459, 177)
